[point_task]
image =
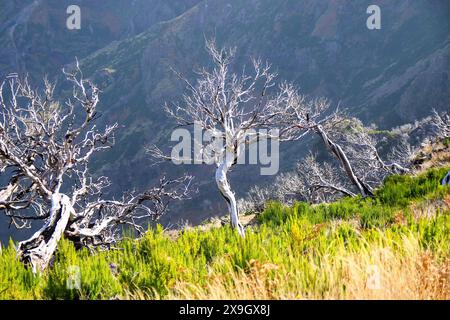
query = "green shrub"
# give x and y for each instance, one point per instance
(17, 281)
(289, 240)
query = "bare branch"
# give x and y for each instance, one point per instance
(45, 151)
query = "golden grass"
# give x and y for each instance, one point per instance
(373, 273)
(439, 156)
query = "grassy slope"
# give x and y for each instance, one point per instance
(325, 251)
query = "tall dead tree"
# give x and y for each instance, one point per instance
(45, 151)
(230, 107)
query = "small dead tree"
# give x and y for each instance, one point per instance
(255, 199)
(45, 151)
(323, 181)
(230, 107)
(312, 115)
(360, 143)
(352, 148)
(288, 188)
(442, 123)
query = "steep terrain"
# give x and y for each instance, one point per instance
(393, 246)
(388, 76)
(35, 38)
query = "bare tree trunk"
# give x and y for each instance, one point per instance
(394, 167)
(338, 189)
(39, 249)
(228, 195)
(6, 192)
(336, 149)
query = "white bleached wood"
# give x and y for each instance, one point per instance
(45, 150)
(232, 107)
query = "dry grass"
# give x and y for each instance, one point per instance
(415, 274)
(428, 208)
(438, 154)
(395, 246)
(375, 273)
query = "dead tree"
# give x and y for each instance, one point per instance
(361, 143)
(312, 182)
(352, 148)
(45, 151)
(442, 123)
(230, 107)
(323, 181)
(312, 115)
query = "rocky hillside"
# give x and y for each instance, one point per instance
(35, 38)
(388, 76)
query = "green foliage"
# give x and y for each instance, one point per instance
(446, 142)
(16, 281)
(399, 191)
(295, 239)
(396, 193)
(96, 279)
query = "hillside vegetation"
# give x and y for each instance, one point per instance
(392, 246)
(323, 46)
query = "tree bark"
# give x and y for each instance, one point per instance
(39, 249)
(337, 150)
(6, 192)
(338, 189)
(227, 194)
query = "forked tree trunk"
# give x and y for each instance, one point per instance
(227, 194)
(336, 149)
(39, 249)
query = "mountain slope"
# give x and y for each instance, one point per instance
(394, 246)
(388, 76)
(35, 38)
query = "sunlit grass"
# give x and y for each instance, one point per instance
(329, 251)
